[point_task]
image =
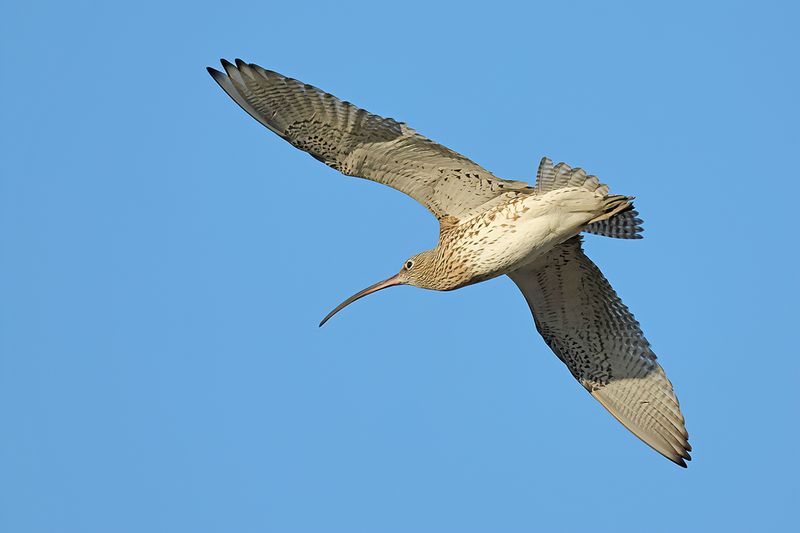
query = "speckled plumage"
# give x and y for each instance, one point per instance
(491, 227)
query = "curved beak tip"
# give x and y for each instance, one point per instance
(391, 282)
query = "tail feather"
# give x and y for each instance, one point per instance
(625, 225)
(614, 204)
(550, 178)
(619, 218)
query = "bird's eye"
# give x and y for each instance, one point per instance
(409, 264)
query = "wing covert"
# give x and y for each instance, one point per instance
(362, 144)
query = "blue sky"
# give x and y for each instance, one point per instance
(165, 260)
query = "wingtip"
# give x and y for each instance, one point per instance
(683, 457)
(225, 63)
(218, 76)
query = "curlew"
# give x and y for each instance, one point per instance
(491, 227)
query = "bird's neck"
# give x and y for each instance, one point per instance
(448, 268)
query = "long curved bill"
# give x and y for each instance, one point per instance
(394, 280)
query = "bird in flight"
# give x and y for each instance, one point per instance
(491, 227)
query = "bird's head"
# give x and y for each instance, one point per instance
(417, 270)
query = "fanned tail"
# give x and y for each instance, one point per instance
(549, 178)
(625, 225)
(619, 219)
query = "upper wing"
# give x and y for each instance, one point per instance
(589, 328)
(358, 143)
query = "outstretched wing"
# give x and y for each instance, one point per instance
(589, 328)
(358, 143)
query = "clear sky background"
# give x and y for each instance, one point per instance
(165, 260)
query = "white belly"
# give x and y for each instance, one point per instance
(515, 234)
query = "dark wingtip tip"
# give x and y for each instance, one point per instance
(218, 76)
(681, 460)
(225, 63)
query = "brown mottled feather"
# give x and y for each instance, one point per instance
(362, 144)
(589, 328)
